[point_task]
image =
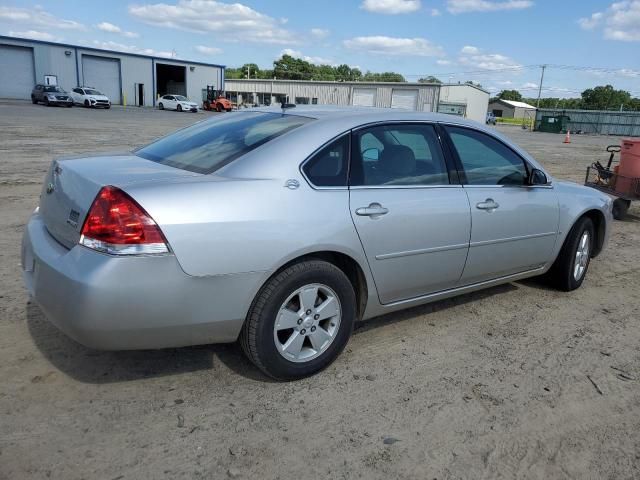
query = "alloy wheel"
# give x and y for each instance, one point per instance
(307, 323)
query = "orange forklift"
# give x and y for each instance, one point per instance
(216, 100)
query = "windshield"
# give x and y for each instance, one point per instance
(180, 98)
(88, 91)
(53, 88)
(207, 146)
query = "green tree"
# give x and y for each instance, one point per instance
(513, 95)
(383, 77)
(429, 79)
(471, 82)
(605, 98)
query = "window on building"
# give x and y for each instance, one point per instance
(302, 100)
(314, 101)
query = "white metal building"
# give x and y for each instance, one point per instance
(123, 77)
(423, 97)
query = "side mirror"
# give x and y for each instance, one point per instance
(538, 177)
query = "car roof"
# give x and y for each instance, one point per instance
(361, 115)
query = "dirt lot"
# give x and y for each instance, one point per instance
(489, 385)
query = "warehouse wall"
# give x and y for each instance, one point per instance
(50, 60)
(476, 100)
(333, 93)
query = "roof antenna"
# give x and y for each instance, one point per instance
(285, 104)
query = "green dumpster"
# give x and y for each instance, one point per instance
(553, 123)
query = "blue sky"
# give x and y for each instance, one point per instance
(498, 43)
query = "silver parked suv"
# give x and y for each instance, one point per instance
(51, 95)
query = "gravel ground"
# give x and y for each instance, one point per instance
(518, 381)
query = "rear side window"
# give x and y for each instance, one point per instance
(207, 146)
(329, 167)
(487, 161)
(392, 155)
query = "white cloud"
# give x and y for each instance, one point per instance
(230, 22)
(435, 12)
(111, 28)
(530, 86)
(35, 34)
(476, 58)
(391, 7)
(591, 22)
(306, 58)
(621, 21)
(465, 6)
(37, 16)
(208, 50)
(320, 33)
(470, 50)
(133, 49)
(444, 62)
(382, 45)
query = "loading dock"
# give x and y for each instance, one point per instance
(171, 79)
(103, 73)
(17, 75)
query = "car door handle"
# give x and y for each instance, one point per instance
(488, 204)
(373, 210)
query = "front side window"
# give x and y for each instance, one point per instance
(398, 155)
(207, 146)
(487, 161)
(329, 167)
(92, 92)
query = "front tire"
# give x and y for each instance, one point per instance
(179, 108)
(34, 100)
(620, 208)
(570, 268)
(300, 321)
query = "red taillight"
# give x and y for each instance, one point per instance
(117, 224)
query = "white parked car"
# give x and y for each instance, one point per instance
(177, 102)
(90, 97)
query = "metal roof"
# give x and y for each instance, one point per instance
(118, 52)
(513, 103)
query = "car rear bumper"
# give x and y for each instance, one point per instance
(136, 302)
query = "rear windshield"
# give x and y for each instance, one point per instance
(207, 146)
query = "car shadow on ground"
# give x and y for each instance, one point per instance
(99, 367)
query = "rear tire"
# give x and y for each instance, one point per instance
(620, 208)
(321, 335)
(570, 268)
(161, 106)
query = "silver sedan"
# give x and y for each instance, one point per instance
(281, 228)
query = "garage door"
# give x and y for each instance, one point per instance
(364, 97)
(404, 99)
(16, 72)
(104, 74)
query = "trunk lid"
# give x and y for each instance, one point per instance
(71, 185)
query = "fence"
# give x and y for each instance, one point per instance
(602, 122)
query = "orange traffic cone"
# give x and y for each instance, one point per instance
(567, 137)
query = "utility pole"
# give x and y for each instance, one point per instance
(540, 86)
